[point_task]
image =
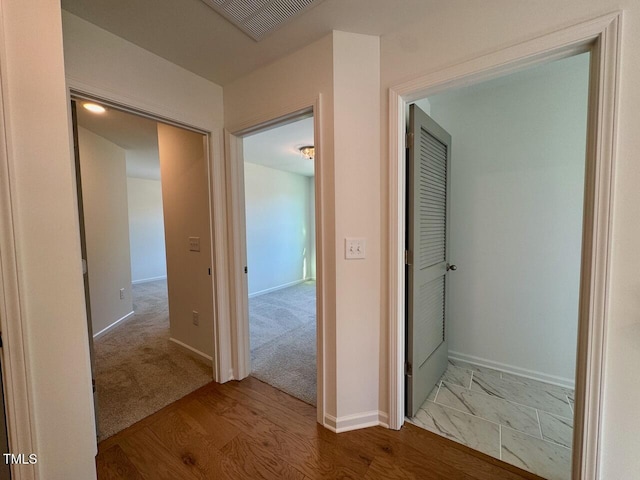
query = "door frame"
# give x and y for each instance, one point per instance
(14, 360)
(600, 36)
(238, 237)
(79, 92)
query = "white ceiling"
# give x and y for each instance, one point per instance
(278, 148)
(190, 34)
(137, 135)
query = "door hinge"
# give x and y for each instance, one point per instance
(407, 368)
(408, 257)
(246, 270)
(409, 140)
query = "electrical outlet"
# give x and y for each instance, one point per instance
(194, 244)
(354, 248)
(195, 317)
(122, 294)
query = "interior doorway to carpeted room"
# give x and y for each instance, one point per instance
(279, 190)
(143, 200)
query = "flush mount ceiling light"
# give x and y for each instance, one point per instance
(94, 107)
(258, 18)
(308, 152)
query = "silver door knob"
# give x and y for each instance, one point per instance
(451, 267)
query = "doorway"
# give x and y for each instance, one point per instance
(143, 197)
(600, 37)
(514, 210)
(279, 200)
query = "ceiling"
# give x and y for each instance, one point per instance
(192, 35)
(275, 148)
(278, 148)
(137, 135)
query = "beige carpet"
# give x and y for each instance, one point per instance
(283, 340)
(138, 370)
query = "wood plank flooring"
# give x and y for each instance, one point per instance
(249, 430)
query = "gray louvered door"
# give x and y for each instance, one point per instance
(428, 186)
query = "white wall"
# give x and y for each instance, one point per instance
(437, 42)
(104, 197)
(278, 227)
(43, 194)
(146, 229)
(45, 224)
(103, 64)
(345, 72)
(99, 62)
(356, 67)
(268, 92)
(517, 173)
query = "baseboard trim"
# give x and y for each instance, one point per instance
(279, 287)
(523, 372)
(356, 421)
(190, 348)
(148, 280)
(106, 329)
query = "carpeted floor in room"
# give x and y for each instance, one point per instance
(283, 339)
(138, 370)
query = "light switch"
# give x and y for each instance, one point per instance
(194, 244)
(354, 248)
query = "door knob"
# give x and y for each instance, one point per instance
(451, 267)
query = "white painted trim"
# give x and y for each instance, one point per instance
(106, 329)
(237, 237)
(521, 372)
(601, 36)
(356, 421)
(148, 280)
(279, 287)
(15, 361)
(222, 363)
(191, 349)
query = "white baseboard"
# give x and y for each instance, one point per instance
(191, 349)
(279, 287)
(147, 280)
(106, 329)
(523, 372)
(356, 421)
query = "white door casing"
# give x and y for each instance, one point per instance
(602, 37)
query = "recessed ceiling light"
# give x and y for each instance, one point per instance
(94, 107)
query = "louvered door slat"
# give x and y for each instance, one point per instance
(428, 189)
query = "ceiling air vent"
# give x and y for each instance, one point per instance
(258, 18)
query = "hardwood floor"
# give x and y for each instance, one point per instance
(248, 429)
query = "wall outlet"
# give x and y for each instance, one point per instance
(195, 317)
(354, 248)
(194, 244)
(122, 294)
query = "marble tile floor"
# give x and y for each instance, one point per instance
(521, 421)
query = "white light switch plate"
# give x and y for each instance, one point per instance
(354, 248)
(194, 244)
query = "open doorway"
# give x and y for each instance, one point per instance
(279, 189)
(499, 171)
(143, 196)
